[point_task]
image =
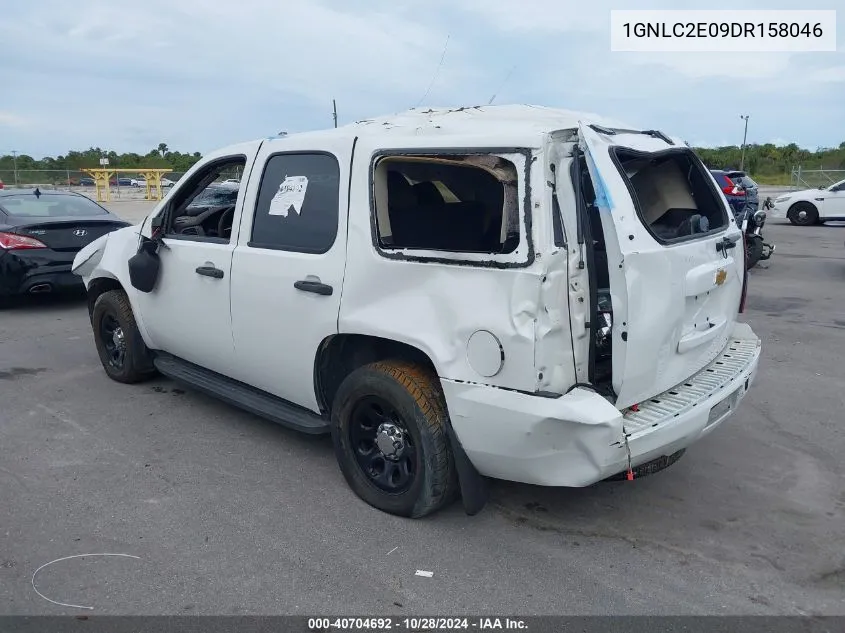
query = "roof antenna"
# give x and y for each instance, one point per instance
(502, 85)
(436, 72)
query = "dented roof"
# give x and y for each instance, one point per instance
(526, 123)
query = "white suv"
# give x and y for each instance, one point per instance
(510, 291)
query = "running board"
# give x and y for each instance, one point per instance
(241, 395)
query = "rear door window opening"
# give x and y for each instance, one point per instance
(459, 203)
(672, 193)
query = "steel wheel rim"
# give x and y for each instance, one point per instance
(384, 450)
(114, 340)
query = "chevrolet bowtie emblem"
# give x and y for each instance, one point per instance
(721, 275)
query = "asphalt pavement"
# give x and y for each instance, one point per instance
(229, 514)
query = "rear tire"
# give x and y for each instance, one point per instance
(398, 406)
(122, 351)
(803, 214)
(753, 251)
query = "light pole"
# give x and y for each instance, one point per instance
(744, 137)
(15, 161)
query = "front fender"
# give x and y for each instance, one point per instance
(89, 257)
(107, 258)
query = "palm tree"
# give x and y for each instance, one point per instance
(162, 148)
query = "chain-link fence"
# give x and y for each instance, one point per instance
(813, 178)
(44, 178)
(128, 186)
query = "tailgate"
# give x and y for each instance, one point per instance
(675, 258)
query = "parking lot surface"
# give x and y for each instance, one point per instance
(229, 514)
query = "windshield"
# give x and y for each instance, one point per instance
(215, 197)
(50, 206)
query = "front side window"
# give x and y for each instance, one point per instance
(298, 203)
(454, 203)
(204, 209)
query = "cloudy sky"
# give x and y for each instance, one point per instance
(198, 74)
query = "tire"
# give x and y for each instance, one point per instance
(112, 311)
(406, 396)
(803, 214)
(753, 251)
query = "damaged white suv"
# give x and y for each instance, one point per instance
(511, 292)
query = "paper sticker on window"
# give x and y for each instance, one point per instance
(291, 193)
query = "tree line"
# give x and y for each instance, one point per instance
(159, 158)
(773, 164)
(767, 163)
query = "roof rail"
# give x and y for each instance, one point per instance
(653, 133)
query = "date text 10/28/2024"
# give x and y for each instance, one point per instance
(416, 624)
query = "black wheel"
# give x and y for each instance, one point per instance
(803, 214)
(122, 351)
(753, 251)
(389, 431)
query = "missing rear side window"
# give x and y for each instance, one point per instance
(456, 203)
(674, 198)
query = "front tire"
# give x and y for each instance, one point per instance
(122, 351)
(389, 431)
(803, 214)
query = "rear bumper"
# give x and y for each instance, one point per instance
(579, 438)
(39, 269)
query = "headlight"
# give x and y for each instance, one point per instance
(781, 199)
(759, 218)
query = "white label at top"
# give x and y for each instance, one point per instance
(723, 31)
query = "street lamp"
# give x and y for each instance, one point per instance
(15, 161)
(744, 137)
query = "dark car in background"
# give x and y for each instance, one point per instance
(742, 194)
(40, 234)
(739, 189)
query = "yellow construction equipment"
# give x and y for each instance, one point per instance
(102, 175)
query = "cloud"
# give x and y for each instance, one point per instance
(834, 74)
(10, 119)
(199, 75)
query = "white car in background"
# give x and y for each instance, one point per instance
(139, 182)
(812, 206)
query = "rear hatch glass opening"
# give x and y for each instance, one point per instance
(672, 193)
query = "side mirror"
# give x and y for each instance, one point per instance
(144, 266)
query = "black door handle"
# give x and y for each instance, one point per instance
(725, 244)
(314, 286)
(210, 271)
